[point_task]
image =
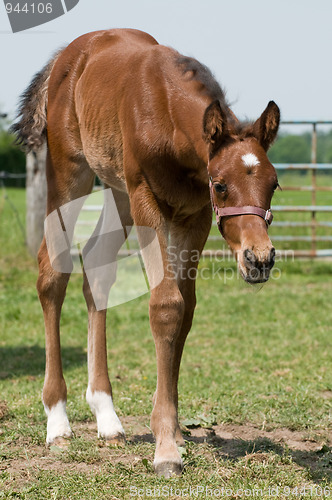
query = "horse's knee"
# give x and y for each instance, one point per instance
(166, 310)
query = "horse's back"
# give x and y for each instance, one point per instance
(85, 88)
(97, 49)
(104, 51)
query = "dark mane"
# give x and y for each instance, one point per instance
(203, 75)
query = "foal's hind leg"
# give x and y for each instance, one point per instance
(99, 258)
(51, 286)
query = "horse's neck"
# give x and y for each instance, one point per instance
(187, 118)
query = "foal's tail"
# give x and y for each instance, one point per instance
(31, 128)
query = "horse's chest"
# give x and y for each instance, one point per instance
(184, 194)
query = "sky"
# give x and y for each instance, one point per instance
(257, 49)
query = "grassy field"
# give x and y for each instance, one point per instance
(255, 387)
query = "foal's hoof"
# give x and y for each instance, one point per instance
(117, 440)
(168, 469)
(59, 444)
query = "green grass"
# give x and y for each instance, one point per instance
(255, 359)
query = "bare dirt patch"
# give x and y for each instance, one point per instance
(294, 440)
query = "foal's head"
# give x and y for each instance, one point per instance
(241, 175)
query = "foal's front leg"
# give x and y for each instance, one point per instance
(186, 247)
(166, 317)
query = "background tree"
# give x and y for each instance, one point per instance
(12, 159)
(297, 148)
(291, 149)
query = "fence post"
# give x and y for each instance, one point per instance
(35, 198)
(314, 187)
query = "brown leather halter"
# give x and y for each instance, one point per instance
(232, 211)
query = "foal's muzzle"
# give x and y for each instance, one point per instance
(257, 270)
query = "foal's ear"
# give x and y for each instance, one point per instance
(214, 125)
(266, 127)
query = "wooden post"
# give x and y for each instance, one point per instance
(35, 198)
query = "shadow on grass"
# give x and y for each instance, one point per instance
(142, 438)
(318, 463)
(30, 360)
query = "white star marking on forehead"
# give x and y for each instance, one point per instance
(250, 160)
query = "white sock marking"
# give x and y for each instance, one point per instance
(101, 405)
(250, 160)
(57, 422)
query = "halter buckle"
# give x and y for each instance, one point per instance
(268, 216)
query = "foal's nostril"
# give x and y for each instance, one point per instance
(250, 258)
(272, 257)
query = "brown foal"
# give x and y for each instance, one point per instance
(155, 127)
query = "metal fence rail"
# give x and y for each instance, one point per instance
(313, 209)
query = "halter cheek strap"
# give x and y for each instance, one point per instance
(232, 211)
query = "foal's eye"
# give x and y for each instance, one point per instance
(220, 188)
(276, 186)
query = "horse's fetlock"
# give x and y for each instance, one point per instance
(54, 391)
(165, 421)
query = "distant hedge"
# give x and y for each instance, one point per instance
(12, 159)
(297, 148)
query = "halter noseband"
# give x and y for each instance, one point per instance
(231, 211)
